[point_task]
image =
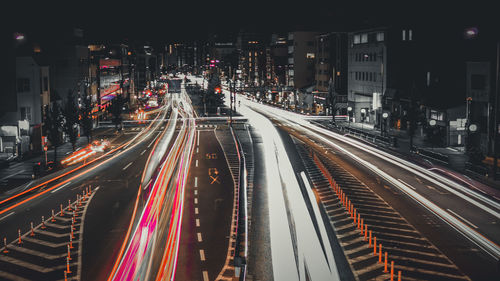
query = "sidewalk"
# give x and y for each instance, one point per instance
(452, 157)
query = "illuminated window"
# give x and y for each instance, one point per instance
(410, 35)
(357, 39)
(364, 38)
(310, 55)
(380, 36)
(404, 35)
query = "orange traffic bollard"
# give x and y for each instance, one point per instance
(379, 253)
(370, 240)
(358, 220)
(392, 270)
(70, 241)
(43, 223)
(67, 265)
(5, 250)
(19, 234)
(375, 246)
(399, 275)
(65, 276)
(385, 263)
(366, 230)
(69, 256)
(69, 205)
(32, 232)
(354, 213)
(53, 217)
(72, 236)
(62, 214)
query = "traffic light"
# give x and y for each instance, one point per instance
(218, 90)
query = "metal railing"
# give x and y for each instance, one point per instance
(389, 140)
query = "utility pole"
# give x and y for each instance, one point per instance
(495, 117)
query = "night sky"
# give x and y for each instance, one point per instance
(168, 21)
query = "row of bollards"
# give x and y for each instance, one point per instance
(72, 211)
(357, 220)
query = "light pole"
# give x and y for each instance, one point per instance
(384, 124)
(349, 109)
(432, 123)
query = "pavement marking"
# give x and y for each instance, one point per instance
(8, 215)
(128, 165)
(196, 210)
(195, 192)
(196, 200)
(151, 142)
(198, 141)
(198, 222)
(457, 215)
(55, 190)
(4, 178)
(143, 152)
(197, 150)
(195, 181)
(196, 162)
(407, 184)
(202, 255)
(205, 275)
(199, 237)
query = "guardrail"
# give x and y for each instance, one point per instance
(241, 250)
(390, 141)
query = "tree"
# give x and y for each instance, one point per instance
(86, 117)
(116, 109)
(54, 122)
(70, 113)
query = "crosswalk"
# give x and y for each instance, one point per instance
(411, 252)
(50, 248)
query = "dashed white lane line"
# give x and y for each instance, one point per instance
(128, 165)
(407, 184)
(459, 216)
(197, 150)
(11, 213)
(196, 210)
(197, 222)
(143, 152)
(196, 200)
(196, 162)
(202, 255)
(195, 181)
(153, 140)
(205, 275)
(57, 189)
(199, 237)
(196, 192)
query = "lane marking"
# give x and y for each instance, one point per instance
(196, 200)
(205, 275)
(196, 192)
(197, 222)
(195, 181)
(143, 152)
(197, 150)
(199, 237)
(128, 165)
(457, 215)
(198, 141)
(196, 210)
(196, 162)
(202, 255)
(55, 190)
(407, 184)
(11, 213)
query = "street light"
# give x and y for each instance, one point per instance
(349, 109)
(385, 115)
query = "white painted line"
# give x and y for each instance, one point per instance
(198, 141)
(205, 275)
(199, 237)
(202, 255)
(11, 213)
(196, 200)
(143, 152)
(196, 210)
(4, 178)
(55, 190)
(407, 184)
(128, 165)
(197, 222)
(195, 181)
(196, 162)
(197, 150)
(457, 215)
(151, 142)
(195, 192)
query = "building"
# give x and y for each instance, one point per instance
(331, 73)
(252, 59)
(301, 57)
